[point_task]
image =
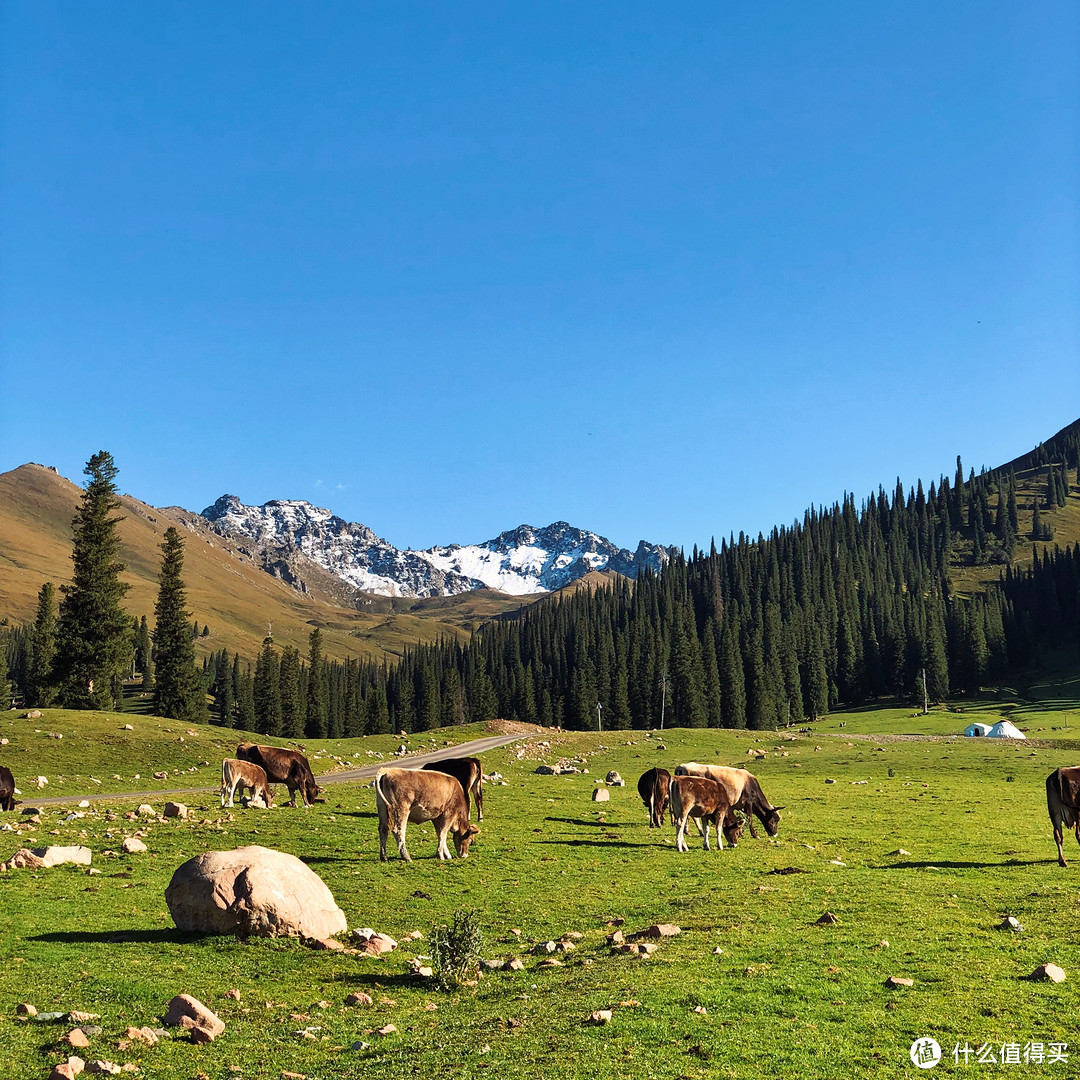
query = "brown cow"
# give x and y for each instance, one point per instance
(236, 774)
(7, 789)
(1063, 804)
(404, 795)
(469, 775)
(288, 767)
(653, 787)
(706, 801)
(744, 790)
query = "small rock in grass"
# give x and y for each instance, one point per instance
(133, 845)
(828, 919)
(601, 795)
(1049, 971)
(387, 1029)
(234, 994)
(659, 930)
(176, 810)
(1010, 923)
(358, 999)
(76, 1037)
(701, 1010)
(359, 1044)
(601, 1016)
(190, 1013)
(718, 951)
(146, 810)
(143, 1035)
(67, 1070)
(516, 965)
(25, 1009)
(894, 982)
(544, 947)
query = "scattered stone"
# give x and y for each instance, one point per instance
(190, 1013)
(146, 810)
(68, 1070)
(83, 803)
(617, 937)
(899, 851)
(1010, 923)
(373, 943)
(176, 810)
(828, 919)
(601, 1016)
(359, 1044)
(829, 780)
(77, 1017)
(552, 963)
(128, 727)
(614, 779)
(143, 1035)
(1048, 971)
(601, 795)
(25, 1009)
(359, 998)
(894, 982)
(387, 1029)
(33, 714)
(109, 1068)
(252, 890)
(491, 965)
(161, 776)
(76, 1037)
(516, 964)
(564, 946)
(661, 930)
(234, 994)
(93, 870)
(133, 845)
(701, 1010)
(718, 951)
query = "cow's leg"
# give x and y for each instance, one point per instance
(480, 800)
(1058, 837)
(706, 821)
(680, 835)
(384, 829)
(442, 828)
(399, 833)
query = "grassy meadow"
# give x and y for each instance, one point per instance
(919, 847)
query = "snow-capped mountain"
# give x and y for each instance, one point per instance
(522, 561)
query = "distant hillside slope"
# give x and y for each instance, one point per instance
(226, 588)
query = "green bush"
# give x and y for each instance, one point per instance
(455, 949)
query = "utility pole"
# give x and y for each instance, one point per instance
(663, 696)
(925, 699)
(599, 722)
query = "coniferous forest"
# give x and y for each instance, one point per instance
(851, 605)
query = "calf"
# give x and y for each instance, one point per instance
(653, 787)
(404, 795)
(468, 773)
(1063, 804)
(744, 791)
(288, 767)
(243, 774)
(706, 801)
(7, 789)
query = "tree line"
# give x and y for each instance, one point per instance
(850, 605)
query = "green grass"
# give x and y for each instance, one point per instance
(785, 998)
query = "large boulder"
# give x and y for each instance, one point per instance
(252, 891)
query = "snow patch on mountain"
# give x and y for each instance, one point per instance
(519, 562)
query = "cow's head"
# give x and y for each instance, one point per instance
(770, 818)
(311, 790)
(733, 827)
(462, 840)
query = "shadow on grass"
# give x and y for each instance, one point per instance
(594, 824)
(596, 843)
(114, 937)
(930, 865)
(379, 979)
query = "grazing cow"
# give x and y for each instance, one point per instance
(1063, 804)
(7, 789)
(653, 788)
(469, 775)
(744, 790)
(404, 795)
(707, 803)
(236, 774)
(288, 767)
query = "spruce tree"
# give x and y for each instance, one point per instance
(40, 691)
(317, 723)
(267, 690)
(6, 698)
(178, 692)
(93, 634)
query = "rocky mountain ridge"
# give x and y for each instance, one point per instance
(289, 535)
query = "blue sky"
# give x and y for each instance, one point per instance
(662, 271)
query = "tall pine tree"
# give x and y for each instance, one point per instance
(178, 691)
(93, 635)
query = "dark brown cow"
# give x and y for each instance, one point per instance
(1063, 804)
(7, 789)
(288, 767)
(744, 790)
(705, 800)
(404, 795)
(653, 787)
(237, 774)
(469, 775)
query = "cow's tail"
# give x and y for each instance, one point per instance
(380, 797)
(1068, 813)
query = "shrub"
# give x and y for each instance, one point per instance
(455, 949)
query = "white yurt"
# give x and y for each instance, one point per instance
(977, 729)
(1004, 730)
